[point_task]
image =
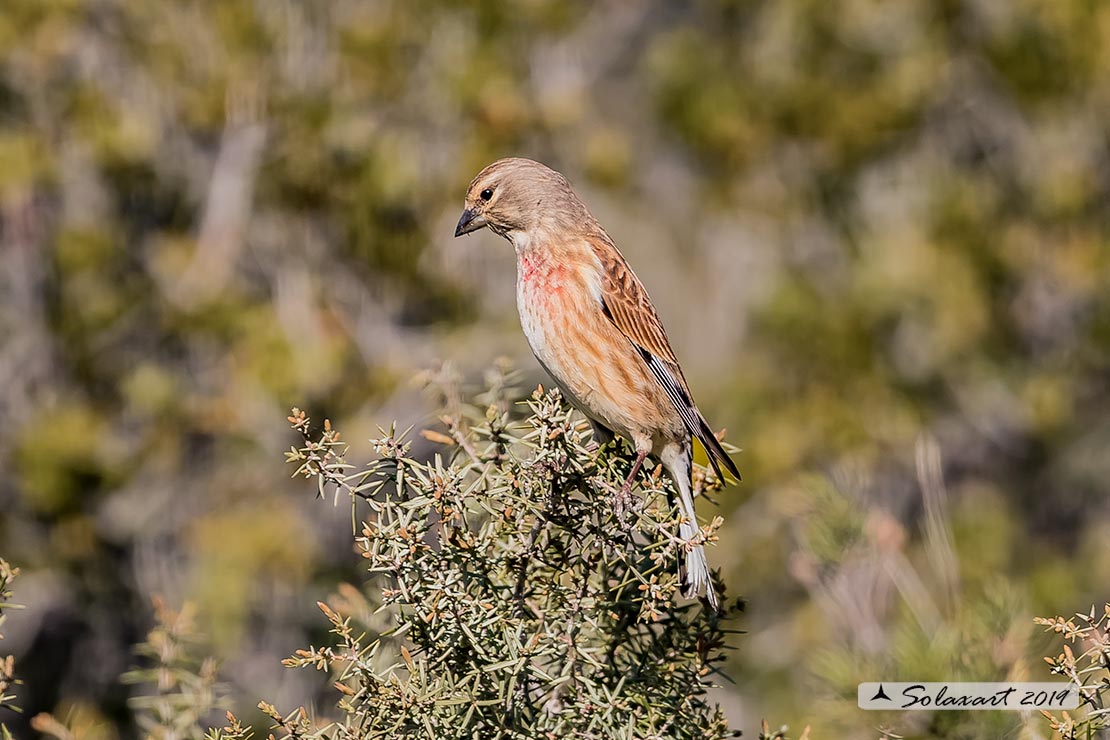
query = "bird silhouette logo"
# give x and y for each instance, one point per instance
(881, 694)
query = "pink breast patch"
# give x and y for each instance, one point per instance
(543, 275)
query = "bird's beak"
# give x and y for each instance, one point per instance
(469, 221)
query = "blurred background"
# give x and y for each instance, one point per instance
(877, 231)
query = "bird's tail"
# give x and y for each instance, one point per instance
(697, 579)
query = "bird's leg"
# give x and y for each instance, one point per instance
(623, 500)
(627, 487)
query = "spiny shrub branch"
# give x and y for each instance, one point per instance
(1088, 669)
(511, 602)
(8, 679)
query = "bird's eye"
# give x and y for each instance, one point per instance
(487, 194)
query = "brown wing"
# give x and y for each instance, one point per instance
(626, 303)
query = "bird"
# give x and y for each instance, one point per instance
(593, 328)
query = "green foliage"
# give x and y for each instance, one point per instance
(863, 223)
(889, 605)
(515, 602)
(8, 678)
(181, 689)
(177, 688)
(1089, 670)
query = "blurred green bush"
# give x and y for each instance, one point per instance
(866, 224)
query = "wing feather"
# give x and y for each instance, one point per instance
(625, 301)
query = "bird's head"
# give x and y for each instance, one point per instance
(519, 197)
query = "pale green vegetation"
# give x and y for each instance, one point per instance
(508, 600)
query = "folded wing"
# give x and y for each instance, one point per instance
(625, 302)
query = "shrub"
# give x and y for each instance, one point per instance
(7, 663)
(1089, 671)
(513, 602)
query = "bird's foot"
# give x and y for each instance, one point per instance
(622, 504)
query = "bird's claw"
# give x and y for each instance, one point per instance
(622, 504)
